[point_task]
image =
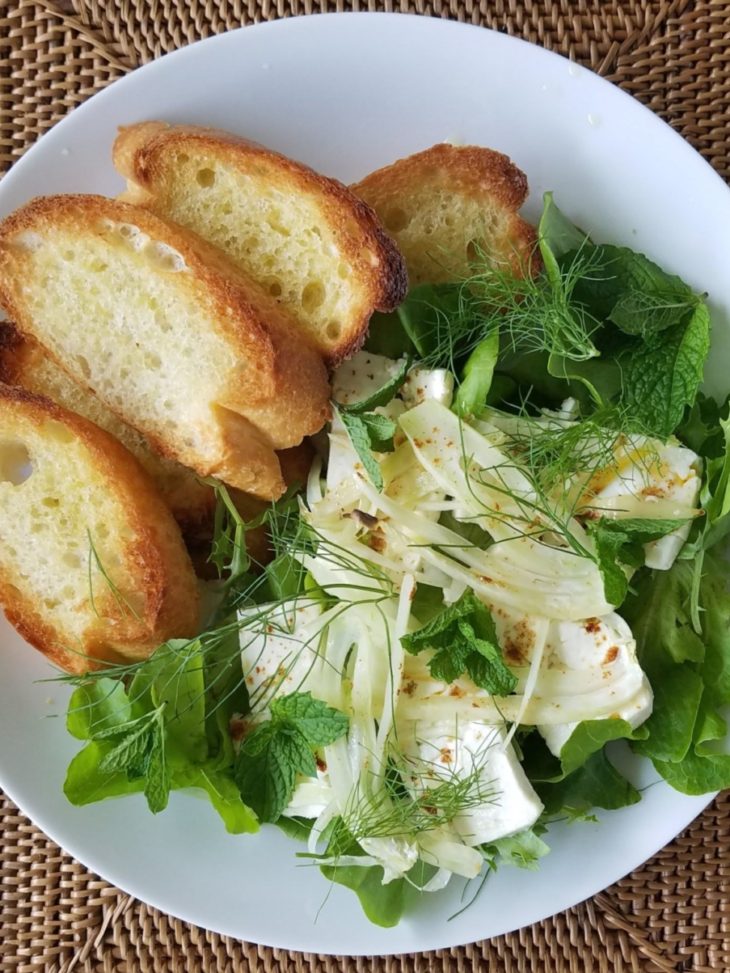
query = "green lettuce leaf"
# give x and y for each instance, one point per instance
(168, 731)
(690, 673)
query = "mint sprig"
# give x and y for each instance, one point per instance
(277, 751)
(370, 432)
(465, 641)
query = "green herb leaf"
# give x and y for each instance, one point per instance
(275, 752)
(634, 293)
(464, 638)
(380, 430)
(319, 723)
(662, 376)
(621, 541)
(157, 777)
(381, 396)
(359, 435)
(85, 783)
(477, 375)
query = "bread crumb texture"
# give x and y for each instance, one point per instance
(309, 242)
(451, 207)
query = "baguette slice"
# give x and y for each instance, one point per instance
(92, 564)
(447, 206)
(312, 244)
(166, 333)
(23, 362)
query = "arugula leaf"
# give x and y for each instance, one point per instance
(414, 328)
(478, 372)
(223, 794)
(427, 602)
(662, 375)
(465, 639)
(426, 312)
(596, 783)
(85, 783)
(275, 752)
(384, 905)
(468, 529)
(591, 736)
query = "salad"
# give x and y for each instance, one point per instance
(506, 559)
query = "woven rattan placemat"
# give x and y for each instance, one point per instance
(673, 913)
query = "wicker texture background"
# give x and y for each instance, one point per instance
(671, 915)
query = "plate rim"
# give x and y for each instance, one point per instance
(295, 23)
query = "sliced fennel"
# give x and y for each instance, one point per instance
(449, 747)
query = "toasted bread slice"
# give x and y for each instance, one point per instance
(163, 329)
(312, 244)
(24, 362)
(92, 564)
(451, 204)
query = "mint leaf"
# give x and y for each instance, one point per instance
(319, 723)
(465, 639)
(477, 375)
(381, 396)
(621, 542)
(662, 376)
(277, 751)
(132, 750)
(633, 292)
(359, 434)
(380, 430)
(266, 771)
(157, 777)
(170, 730)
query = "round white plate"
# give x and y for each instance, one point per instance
(346, 94)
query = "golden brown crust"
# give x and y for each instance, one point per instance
(166, 603)
(138, 155)
(282, 399)
(469, 171)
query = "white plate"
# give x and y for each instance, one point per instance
(348, 93)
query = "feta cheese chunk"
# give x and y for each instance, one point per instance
(279, 653)
(589, 650)
(502, 799)
(654, 480)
